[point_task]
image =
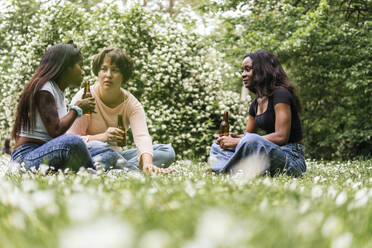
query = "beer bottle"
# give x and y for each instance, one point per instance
(87, 94)
(121, 127)
(225, 126)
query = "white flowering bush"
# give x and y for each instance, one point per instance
(177, 78)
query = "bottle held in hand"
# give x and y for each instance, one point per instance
(121, 127)
(87, 94)
(225, 126)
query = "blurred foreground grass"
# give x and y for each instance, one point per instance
(329, 207)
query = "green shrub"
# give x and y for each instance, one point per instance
(326, 48)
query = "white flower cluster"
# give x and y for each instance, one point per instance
(178, 78)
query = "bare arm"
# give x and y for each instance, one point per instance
(251, 125)
(283, 118)
(49, 115)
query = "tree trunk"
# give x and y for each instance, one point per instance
(244, 93)
(171, 5)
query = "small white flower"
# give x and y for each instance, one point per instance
(360, 199)
(332, 192)
(332, 227)
(342, 241)
(82, 207)
(341, 198)
(189, 189)
(316, 191)
(155, 239)
(215, 225)
(108, 232)
(29, 185)
(267, 181)
(17, 220)
(361, 194)
(251, 167)
(304, 206)
(43, 169)
(316, 179)
(264, 204)
(293, 185)
(43, 198)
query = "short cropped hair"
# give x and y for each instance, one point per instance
(118, 57)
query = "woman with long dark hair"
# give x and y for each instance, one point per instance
(42, 118)
(275, 110)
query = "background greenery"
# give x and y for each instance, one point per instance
(178, 78)
(326, 48)
(185, 80)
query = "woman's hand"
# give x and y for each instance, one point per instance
(234, 135)
(113, 135)
(226, 142)
(87, 104)
(150, 168)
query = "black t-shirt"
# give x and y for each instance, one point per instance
(266, 120)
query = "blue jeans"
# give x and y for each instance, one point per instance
(287, 159)
(65, 151)
(103, 153)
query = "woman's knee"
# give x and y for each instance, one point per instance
(98, 147)
(251, 139)
(73, 141)
(164, 155)
(215, 147)
(171, 153)
(97, 144)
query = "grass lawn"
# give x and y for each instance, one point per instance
(329, 207)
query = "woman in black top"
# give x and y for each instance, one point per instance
(275, 109)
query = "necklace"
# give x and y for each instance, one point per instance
(261, 99)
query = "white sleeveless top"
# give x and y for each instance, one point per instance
(39, 131)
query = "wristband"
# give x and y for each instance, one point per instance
(78, 110)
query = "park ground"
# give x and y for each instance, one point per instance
(330, 206)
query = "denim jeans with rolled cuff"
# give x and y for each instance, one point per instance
(103, 153)
(288, 159)
(65, 151)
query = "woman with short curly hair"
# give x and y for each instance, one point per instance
(113, 69)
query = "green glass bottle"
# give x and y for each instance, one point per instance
(121, 127)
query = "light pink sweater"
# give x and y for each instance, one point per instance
(133, 116)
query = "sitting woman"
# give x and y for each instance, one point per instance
(42, 117)
(275, 109)
(100, 129)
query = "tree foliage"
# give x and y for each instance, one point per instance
(326, 47)
(177, 77)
